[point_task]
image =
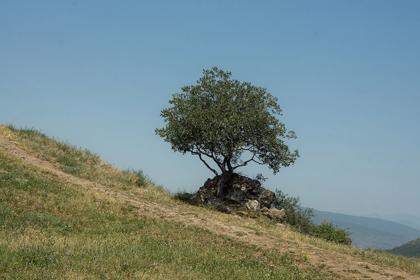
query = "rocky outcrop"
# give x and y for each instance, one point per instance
(274, 214)
(239, 191)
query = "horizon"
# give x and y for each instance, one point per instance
(97, 74)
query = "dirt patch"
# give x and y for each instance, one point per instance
(337, 265)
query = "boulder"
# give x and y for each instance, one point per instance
(253, 205)
(274, 214)
(239, 191)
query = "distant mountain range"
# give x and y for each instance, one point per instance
(410, 249)
(401, 218)
(367, 232)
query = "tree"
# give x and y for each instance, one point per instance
(222, 120)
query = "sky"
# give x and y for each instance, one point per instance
(96, 74)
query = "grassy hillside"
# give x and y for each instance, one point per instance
(409, 249)
(66, 214)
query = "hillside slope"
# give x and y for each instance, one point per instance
(370, 232)
(65, 214)
(409, 249)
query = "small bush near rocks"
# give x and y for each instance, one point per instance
(185, 197)
(301, 220)
(182, 196)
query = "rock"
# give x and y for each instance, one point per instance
(214, 202)
(253, 205)
(238, 191)
(264, 210)
(279, 215)
(267, 198)
(274, 214)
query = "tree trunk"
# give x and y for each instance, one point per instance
(221, 183)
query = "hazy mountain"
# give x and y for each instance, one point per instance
(370, 232)
(401, 218)
(409, 249)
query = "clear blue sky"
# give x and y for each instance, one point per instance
(346, 73)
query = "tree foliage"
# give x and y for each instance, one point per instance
(227, 124)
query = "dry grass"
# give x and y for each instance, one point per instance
(53, 228)
(50, 228)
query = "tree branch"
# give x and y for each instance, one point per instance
(203, 153)
(229, 164)
(244, 149)
(208, 166)
(201, 158)
(212, 157)
(244, 163)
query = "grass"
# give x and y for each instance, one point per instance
(53, 229)
(75, 161)
(50, 229)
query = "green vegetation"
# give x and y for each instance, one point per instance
(301, 220)
(186, 198)
(330, 232)
(370, 232)
(75, 161)
(57, 226)
(221, 119)
(297, 217)
(409, 249)
(53, 229)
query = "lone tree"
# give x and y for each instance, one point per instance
(223, 121)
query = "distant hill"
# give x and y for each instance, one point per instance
(401, 218)
(370, 232)
(409, 249)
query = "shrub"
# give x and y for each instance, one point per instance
(185, 197)
(301, 220)
(298, 217)
(142, 180)
(330, 232)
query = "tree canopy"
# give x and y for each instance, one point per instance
(227, 124)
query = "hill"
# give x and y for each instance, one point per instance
(401, 218)
(66, 214)
(370, 232)
(409, 249)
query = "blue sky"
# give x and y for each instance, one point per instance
(346, 73)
